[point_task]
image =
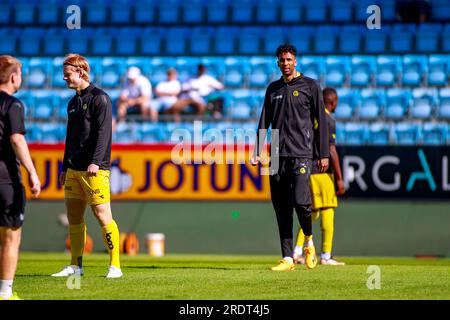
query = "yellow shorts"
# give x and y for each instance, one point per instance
(93, 189)
(323, 194)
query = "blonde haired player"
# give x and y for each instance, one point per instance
(85, 171)
(323, 194)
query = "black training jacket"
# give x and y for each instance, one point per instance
(89, 130)
(294, 109)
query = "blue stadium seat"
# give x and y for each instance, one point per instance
(114, 95)
(38, 72)
(337, 70)
(388, 70)
(312, 66)
(241, 105)
(169, 11)
(356, 133)
(250, 40)
(224, 42)
(26, 98)
(291, 11)
(434, 133)
(401, 38)
(79, 40)
(273, 36)
(30, 41)
(9, 38)
(379, 133)
(193, 11)
(151, 41)
(145, 11)
(414, 68)
(375, 40)
(54, 42)
(361, 9)
(200, 40)
(350, 38)
(57, 68)
(50, 12)
(242, 11)
(371, 103)
(397, 103)
(325, 39)
(407, 133)
(120, 11)
(5, 13)
(341, 11)
(267, 11)
(214, 66)
(44, 104)
(24, 13)
(438, 70)
(64, 98)
(176, 40)
(428, 37)
(236, 71)
(316, 11)
(186, 67)
(51, 132)
(96, 12)
(388, 11)
(348, 99)
(102, 41)
(261, 72)
(443, 109)
(446, 39)
(440, 10)
(126, 41)
(125, 133)
(217, 11)
(363, 68)
(143, 63)
(32, 134)
(340, 133)
(150, 133)
(158, 67)
(112, 71)
(424, 101)
(300, 37)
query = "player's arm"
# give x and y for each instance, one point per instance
(103, 120)
(337, 170)
(264, 123)
(20, 148)
(318, 108)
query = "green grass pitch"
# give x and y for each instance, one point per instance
(226, 277)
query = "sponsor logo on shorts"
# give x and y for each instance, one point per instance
(94, 192)
(68, 188)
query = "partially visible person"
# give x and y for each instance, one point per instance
(195, 92)
(135, 97)
(167, 92)
(86, 166)
(13, 152)
(323, 192)
(292, 106)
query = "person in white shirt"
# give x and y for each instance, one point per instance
(167, 92)
(135, 96)
(195, 92)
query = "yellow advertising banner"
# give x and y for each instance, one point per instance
(164, 172)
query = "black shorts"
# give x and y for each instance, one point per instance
(12, 205)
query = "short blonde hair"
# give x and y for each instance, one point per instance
(8, 66)
(79, 62)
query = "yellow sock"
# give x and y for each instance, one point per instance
(300, 238)
(111, 240)
(327, 226)
(77, 234)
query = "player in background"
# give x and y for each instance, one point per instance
(86, 166)
(13, 148)
(323, 193)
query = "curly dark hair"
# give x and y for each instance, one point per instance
(286, 48)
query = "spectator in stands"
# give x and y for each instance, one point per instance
(135, 97)
(416, 11)
(195, 92)
(167, 92)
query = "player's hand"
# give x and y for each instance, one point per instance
(92, 170)
(340, 187)
(254, 160)
(35, 185)
(323, 164)
(62, 178)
